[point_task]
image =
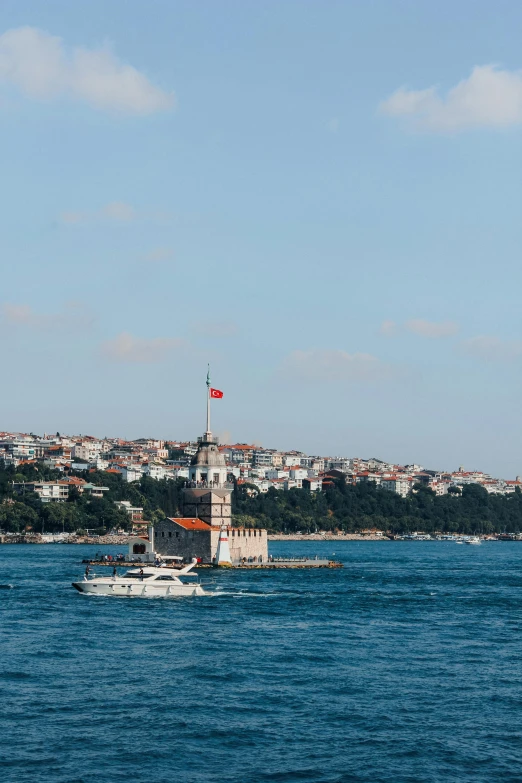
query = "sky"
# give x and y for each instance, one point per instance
(321, 199)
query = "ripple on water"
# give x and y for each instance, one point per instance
(403, 667)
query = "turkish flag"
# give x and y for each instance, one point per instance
(216, 394)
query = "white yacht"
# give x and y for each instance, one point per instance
(147, 581)
(472, 540)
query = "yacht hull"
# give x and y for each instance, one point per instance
(140, 589)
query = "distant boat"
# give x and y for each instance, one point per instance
(473, 540)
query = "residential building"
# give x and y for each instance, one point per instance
(401, 485)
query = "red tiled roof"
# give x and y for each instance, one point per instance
(188, 523)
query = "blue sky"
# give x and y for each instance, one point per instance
(322, 199)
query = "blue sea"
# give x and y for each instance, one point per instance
(405, 666)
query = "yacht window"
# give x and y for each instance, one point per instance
(136, 576)
(165, 578)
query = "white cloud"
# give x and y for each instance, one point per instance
(74, 315)
(159, 254)
(334, 365)
(420, 327)
(115, 211)
(127, 348)
(40, 66)
(489, 98)
(118, 210)
(388, 329)
(72, 217)
(432, 329)
(492, 349)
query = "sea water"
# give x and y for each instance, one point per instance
(405, 666)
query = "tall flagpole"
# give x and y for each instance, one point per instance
(208, 400)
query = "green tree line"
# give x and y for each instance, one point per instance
(19, 513)
(340, 506)
(351, 508)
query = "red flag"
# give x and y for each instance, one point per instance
(216, 394)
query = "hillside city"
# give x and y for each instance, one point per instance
(258, 468)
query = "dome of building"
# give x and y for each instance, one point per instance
(208, 455)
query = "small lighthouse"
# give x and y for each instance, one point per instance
(223, 550)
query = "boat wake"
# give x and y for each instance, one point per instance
(242, 594)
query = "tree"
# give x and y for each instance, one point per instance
(17, 517)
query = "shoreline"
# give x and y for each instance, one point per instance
(124, 540)
(326, 537)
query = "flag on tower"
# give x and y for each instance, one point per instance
(216, 394)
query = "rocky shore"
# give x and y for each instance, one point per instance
(36, 538)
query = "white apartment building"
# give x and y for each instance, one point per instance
(128, 473)
(135, 512)
(313, 483)
(262, 484)
(277, 473)
(88, 451)
(298, 474)
(48, 491)
(158, 453)
(292, 458)
(340, 464)
(262, 458)
(15, 450)
(401, 485)
(156, 471)
(440, 487)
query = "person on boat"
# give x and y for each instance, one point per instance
(114, 572)
(141, 574)
(87, 572)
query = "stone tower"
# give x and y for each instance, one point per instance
(207, 495)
